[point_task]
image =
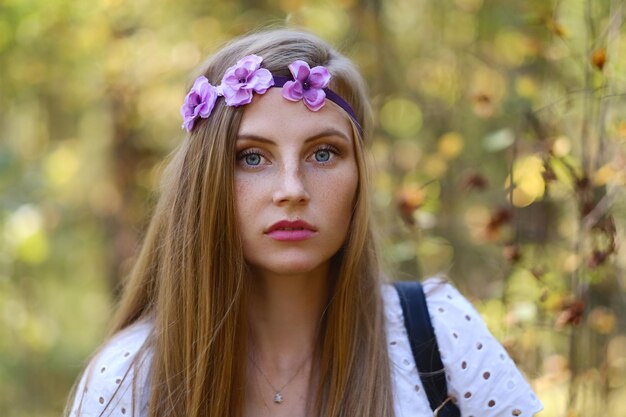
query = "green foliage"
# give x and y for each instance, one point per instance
(500, 160)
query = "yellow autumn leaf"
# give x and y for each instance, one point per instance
(604, 174)
(450, 145)
(528, 181)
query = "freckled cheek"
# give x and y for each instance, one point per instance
(340, 194)
(246, 194)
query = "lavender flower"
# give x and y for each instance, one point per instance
(244, 78)
(199, 102)
(308, 84)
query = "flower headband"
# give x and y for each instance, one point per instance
(247, 77)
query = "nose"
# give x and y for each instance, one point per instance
(290, 186)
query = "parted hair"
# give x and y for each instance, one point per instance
(190, 276)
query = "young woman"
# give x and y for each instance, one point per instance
(257, 291)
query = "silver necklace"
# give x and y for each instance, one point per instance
(278, 396)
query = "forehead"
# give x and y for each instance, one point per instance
(270, 115)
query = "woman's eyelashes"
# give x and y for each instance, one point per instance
(325, 154)
(251, 158)
(321, 154)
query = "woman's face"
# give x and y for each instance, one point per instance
(295, 183)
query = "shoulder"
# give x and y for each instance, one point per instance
(440, 295)
(116, 376)
(479, 372)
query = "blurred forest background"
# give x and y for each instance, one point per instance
(500, 155)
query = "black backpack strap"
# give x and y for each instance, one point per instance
(424, 347)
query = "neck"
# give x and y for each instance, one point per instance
(284, 316)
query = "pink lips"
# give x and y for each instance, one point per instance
(285, 230)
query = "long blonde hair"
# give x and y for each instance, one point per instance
(190, 276)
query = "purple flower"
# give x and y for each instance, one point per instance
(244, 78)
(308, 84)
(199, 102)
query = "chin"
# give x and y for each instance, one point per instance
(292, 267)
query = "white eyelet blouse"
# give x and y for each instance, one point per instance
(479, 372)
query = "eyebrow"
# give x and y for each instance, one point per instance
(322, 134)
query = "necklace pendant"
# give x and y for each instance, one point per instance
(278, 398)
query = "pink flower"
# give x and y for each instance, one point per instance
(244, 78)
(308, 84)
(199, 102)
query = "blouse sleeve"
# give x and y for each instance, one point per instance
(106, 386)
(480, 373)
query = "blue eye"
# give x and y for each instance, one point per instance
(322, 155)
(252, 159)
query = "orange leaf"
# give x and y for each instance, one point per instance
(555, 27)
(409, 200)
(571, 314)
(499, 218)
(599, 58)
